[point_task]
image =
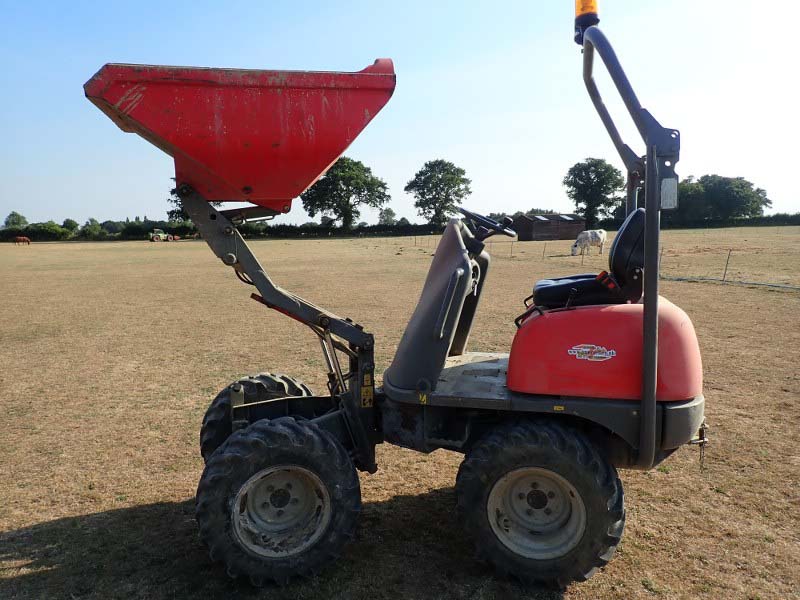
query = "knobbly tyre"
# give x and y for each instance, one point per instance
(583, 392)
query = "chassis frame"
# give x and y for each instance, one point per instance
(470, 399)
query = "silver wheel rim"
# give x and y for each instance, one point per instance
(536, 513)
(281, 511)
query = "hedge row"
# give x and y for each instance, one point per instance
(668, 223)
(50, 231)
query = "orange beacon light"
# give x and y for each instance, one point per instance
(585, 16)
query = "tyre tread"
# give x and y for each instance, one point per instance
(510, 439)
(252, 446)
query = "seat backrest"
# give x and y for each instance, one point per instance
(425, 344)
(627, 250)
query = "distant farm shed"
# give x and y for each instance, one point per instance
(548, 227)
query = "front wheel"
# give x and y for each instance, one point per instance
(542, 504)
(279, 499)
(216, 427)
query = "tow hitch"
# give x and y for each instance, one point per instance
(701, 440)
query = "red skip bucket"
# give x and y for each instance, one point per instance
(243, 135)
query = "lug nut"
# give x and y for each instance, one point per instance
(534, 485)
(295, 501)
(264, 504)
(551, 495)
(547, 511)
(270, 488)
(529, 512)
(288, 486)
(521, 496)
(280, 513)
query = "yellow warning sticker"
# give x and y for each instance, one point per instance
(367, 396)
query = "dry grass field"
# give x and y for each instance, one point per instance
(110, 353)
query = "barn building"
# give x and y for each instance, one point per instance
(548, 227)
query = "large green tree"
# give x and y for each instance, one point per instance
(91, 230)
(49, 231)
(717, 198)
(347, 185)
(70, 224)
(15, 220)
(733, 197)
(387, 216)
(692, 204)
(594, 186)
(176, 213)
(112, 226)
(438, 188)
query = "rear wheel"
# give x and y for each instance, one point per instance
(278, 499)
(542, 504)
(217, 421)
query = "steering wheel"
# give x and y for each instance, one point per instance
(487, 227)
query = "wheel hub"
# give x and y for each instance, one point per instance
(280, 498)
(536, 513)
(537, 499)
(281, 511)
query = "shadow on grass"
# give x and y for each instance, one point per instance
(406, 547)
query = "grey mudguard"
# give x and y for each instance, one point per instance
(426, 342)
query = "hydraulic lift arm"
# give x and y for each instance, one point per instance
(355, 390)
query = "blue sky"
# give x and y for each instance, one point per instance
(493, 86)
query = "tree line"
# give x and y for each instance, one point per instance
(16, 224)
(595, 187)
(338, 196)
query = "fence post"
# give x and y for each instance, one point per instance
(544, 250)
(660, 256)
(725, 274)
(512, 248)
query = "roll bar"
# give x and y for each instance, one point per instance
(656, 170)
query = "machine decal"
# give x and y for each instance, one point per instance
(591, 352)
(367, 391)
(367, 397)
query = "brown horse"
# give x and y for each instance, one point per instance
(21, 239)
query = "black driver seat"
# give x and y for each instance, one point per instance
(622, 284)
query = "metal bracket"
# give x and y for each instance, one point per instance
(249, 213)
(237, 400)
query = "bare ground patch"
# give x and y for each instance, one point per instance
(110, 353)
